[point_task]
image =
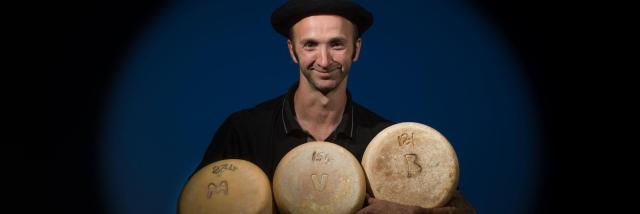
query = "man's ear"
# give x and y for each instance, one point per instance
(356, 52)
(292, 52)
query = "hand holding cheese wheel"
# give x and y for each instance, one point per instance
(319, 177)
(227, 186)
(412, 164)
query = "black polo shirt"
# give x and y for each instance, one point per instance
(265, 133)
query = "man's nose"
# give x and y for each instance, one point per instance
(324, 58)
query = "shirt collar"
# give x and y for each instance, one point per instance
(291, 125)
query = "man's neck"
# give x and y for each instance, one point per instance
(319, 113)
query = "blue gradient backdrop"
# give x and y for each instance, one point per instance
(441, 63)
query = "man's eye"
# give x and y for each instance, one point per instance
(309, 45)
(337, 45)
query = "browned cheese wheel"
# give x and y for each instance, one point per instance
(227, 186)
(412, 164)
(319, 177)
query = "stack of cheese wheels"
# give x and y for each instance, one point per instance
(319, 177)
(227, 186)
(412, 164)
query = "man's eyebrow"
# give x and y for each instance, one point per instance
(332, 40)
(338, 39)
(305, 41)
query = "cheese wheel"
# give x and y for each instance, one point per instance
(412, 164)
(319, 177)
(227, 186)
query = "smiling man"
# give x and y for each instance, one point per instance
(324, 39)
(325, 47)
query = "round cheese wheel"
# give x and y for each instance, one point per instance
(319, 177)
(412, 164)
(227, 186)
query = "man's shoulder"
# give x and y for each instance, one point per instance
(368, 119)
(258, 113)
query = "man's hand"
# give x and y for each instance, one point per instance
(457, 204)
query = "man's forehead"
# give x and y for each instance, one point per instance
(330, 25)
(324, 20)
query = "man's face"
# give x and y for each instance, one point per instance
(324, 48)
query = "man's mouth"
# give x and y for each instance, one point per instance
(323, 71)
(326, 71)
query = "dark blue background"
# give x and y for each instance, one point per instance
(137, 88)
(441, 63)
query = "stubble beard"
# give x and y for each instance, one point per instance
(324, 90)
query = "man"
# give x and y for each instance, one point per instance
(324, 39)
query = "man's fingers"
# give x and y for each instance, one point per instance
(370, 200)
(365, 210)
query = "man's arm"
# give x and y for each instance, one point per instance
(224, 144)
(457, 204)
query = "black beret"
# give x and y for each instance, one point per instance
(287, 15)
